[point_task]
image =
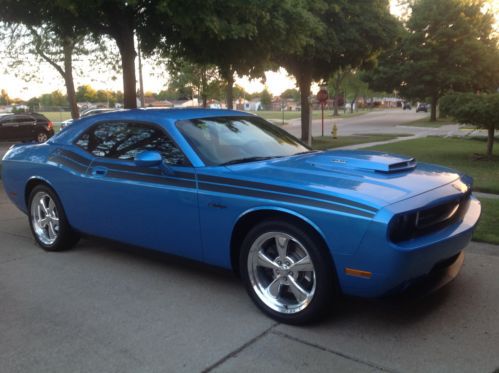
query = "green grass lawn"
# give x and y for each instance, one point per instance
(57, 116)
(425, 122)
(488, 227)
(457, 153)
(327, 142)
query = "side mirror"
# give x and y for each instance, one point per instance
(148, 159)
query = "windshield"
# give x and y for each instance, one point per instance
(230, 140)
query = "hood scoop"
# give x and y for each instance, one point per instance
(367, 160)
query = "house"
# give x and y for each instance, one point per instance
(253, 105)
(214, 104)
(288, 104)
(185, 103)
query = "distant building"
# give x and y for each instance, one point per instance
(185, 103)
(288, 104)
(253, 105)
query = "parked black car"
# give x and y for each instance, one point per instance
(25, 127)
(422, 107)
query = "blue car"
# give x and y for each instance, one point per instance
(300, 227)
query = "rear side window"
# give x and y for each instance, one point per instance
(123, 140)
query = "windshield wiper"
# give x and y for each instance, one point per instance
(248, 159)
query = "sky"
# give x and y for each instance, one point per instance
(155, 80)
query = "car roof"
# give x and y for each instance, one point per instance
(173, 114)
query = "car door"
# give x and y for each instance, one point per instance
(155, 207)
(7, 126)
(25, 125)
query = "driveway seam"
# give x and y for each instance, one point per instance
(238, 350)
(340, 354)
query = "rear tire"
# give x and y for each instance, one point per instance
(41, 137)
(288, 272)
(48, 221)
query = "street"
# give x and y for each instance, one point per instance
(105, 307)
(378, 121)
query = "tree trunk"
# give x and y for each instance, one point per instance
(68, 44)
(125, 41)
(335, 106)
(68, 47)
(490, 140)
(230, 88)
(204, 86)
(304, 82)
(433, 109)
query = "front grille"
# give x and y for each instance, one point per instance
(414, 224)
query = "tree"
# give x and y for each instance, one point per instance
(355, 87)
(234, 36)
(4, 97)
(291, 93)
(447, 45)
(85, 93)
(117, 19)
(266, 99)
(192, 79)
(46, 35)
(326, 35)
(54, 98)
(335, 85)
(479, 110)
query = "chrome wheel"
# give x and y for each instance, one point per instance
(281, 272)
(44, 218)
(41, 137)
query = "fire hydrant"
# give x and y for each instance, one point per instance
(334, 131)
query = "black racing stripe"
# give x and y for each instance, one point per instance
(76, 157)
(122, 167)
(152, 179)
(282, 189)
(283, 198)
(69, 163)
(143, 170)
(184, 175)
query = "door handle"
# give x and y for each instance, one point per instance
(99, 171)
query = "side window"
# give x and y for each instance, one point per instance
(123, 140)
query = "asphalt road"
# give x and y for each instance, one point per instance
(4, 146)
(102, 307)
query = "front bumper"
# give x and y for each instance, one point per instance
(441, 274)
(396, 267)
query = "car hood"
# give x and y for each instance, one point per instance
(367, 177)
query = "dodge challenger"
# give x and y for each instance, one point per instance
(300, 227)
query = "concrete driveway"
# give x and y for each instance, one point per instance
(378, 121)
(102, 307)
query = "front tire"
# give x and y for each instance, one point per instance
(48, 221)
(287, 272)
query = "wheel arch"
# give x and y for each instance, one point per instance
(250, 218)
(31, 184)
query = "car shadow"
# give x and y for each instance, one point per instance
(153, 258)
(399, 310)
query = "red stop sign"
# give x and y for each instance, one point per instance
(322, 96)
